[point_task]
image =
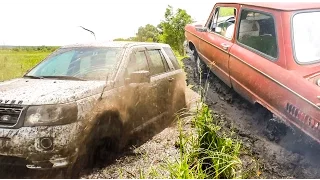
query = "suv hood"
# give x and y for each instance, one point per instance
(46, 91)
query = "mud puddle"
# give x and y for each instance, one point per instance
(281, 151)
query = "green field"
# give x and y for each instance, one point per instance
(16, 63)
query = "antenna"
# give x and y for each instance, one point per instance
(104, 87)
(89, 31)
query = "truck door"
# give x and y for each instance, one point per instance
(218, 40)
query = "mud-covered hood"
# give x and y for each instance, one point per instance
(46, 91)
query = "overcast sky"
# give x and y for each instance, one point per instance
(55, 22)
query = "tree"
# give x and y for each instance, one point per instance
(148, 33)
(126, 39)
(172, 28)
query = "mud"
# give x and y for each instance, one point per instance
(271, 149)
(280, 151)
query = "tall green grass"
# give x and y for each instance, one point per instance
(14, 64)
(207, 153)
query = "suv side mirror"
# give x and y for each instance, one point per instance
(139, 77)
(201, 29)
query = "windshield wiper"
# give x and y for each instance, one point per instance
(64, 77)
(34, 77)
(55, 77)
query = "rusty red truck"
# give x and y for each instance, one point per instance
(267, 52)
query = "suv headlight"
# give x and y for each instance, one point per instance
(49, 115)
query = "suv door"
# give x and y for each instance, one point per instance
(178, 84)
(160, 82)
(218, 40)
(139, 112)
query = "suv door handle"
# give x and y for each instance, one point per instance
(171, 79)
(225, 46)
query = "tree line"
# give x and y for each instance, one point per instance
(169, 31)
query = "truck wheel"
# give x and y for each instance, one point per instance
(201, 69)
(193, 54)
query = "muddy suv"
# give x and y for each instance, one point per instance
(82, 96)
(267, 52)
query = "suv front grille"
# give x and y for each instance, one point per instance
(9, 116)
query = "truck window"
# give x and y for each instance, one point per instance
(257, 31)
(172, 57)
(223, 21)
(158, 64)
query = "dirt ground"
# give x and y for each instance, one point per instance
(281, 151)
(274, 149)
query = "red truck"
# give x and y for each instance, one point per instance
(267, 52)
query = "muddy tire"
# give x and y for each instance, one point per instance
(202, 68)
(83, 161)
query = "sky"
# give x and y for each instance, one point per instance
(56, 22)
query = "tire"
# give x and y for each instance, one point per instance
(201, 69)
(84, 160)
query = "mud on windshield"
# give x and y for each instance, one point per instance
(83, 63)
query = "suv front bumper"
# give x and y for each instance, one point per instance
(42, 147)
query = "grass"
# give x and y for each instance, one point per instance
(16, 63)
(179, 57)
(226, 11)
(207, 153)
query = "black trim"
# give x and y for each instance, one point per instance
(273, 59)
(292, 37)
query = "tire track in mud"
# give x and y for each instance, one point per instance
(282, 151)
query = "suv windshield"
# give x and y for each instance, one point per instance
(306, 37)
(86, 63)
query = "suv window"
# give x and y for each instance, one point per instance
(138, 62)
(172, 57)
(158, 64)
(257, 30)
(223, 21)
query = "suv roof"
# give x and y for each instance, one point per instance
(292, 6)
(114, 44)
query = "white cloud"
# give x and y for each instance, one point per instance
(36, 22)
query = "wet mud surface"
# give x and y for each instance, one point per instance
(281, 151)
(276, 150)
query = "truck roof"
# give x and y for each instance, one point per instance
(124, 44)
(284, 6)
